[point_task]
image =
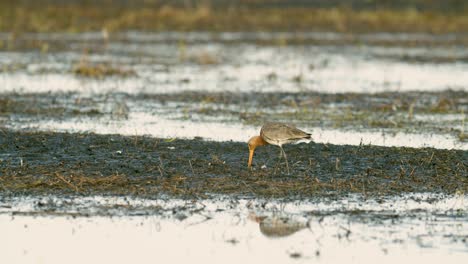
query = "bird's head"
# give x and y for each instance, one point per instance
(253, 143)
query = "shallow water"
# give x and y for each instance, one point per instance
(139, 124)
(164, 68)
(423, 227)
(235, 62)
(38, 73)
(172, 62)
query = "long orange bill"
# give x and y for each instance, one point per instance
(251, 152)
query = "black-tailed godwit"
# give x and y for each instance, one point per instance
(275, 133)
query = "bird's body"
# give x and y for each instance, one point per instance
(276, 133)
(281, 133)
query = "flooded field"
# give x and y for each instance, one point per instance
(158, 84)
(352, 229)
(137, 141)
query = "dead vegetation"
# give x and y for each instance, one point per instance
(100, 70)
(77, 17)
(88, 164)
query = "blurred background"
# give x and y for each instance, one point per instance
(381, 72)
(435, 16)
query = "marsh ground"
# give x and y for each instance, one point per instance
(127, 135)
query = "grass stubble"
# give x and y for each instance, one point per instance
(148, 167)
(85, 16)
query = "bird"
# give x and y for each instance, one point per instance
(276, 133)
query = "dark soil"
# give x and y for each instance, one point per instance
(89, 164)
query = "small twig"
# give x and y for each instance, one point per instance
(161, 163)
(412, 174)
(432, 156)
(190, 162)
(248, 187)
(160, 171)
(207, 218)
(337, 164)
(65, 181)
(411, 111)
(161, 167)
(155, 144)
(402, 171)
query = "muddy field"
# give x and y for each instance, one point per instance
(123, 133)
(409, 112)
(90, 164)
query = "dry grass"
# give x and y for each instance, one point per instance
(75, 18)
(409, 177)
(57, 181)
(100, 70)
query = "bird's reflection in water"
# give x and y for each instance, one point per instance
(278, 225)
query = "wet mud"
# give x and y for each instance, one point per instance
(428, 112)
(356, 110)
(90, 164)
(75, 167)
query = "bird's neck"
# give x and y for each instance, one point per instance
(258, 141)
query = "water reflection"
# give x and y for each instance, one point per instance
(278, 225)
(123, 229)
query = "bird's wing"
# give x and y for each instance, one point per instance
(282, 131)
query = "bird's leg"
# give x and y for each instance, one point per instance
(285, 158)
(279, 160)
